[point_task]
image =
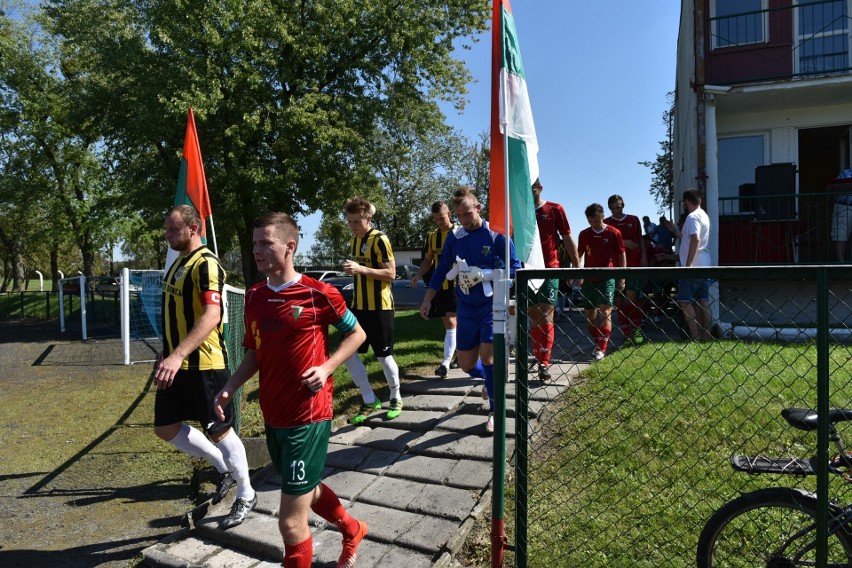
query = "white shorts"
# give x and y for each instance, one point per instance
(841, 220)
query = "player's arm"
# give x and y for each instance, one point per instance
(247, 369)
(620, 260)
(693, 249)
(642, 249)
(424, 268)
(166, 368)
(426, 305)
(354, 335)
(387, 272)
(571, 250)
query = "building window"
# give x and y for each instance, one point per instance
(822, 36)
(737, 157)
(737, 22)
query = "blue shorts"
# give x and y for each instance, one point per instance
(475, 325)
(693, 290)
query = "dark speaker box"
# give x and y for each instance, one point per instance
(775, 191)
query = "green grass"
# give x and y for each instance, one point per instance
(418, 345)
(626, 468)
(45, 305)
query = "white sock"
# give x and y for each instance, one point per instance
(234, 452)
(391, 370)
(191, 441)
(449, 346)
(359, 377)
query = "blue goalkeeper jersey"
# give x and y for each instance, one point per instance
(483, 248)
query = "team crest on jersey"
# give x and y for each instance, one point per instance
(486, 250)
(364, 249)
(297, 311)
(180, 273)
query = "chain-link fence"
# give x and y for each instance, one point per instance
(628, 464)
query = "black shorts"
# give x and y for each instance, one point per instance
(443, 303)
(378, 325)
(191, 397)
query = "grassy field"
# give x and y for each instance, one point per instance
(626, 468)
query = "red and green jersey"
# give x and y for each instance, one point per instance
(631, 230)
(600, 248)
(552, 228)
(288, 330)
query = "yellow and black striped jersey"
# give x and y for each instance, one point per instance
(188, 281)
(373, 250)
(435, 244)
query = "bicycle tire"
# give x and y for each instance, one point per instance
(752, 529)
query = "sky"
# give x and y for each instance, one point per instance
(597, 75)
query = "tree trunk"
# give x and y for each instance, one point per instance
(54, 266)
(18, 272)
(249, 267)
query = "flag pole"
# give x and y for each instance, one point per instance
(501, 366)
(213, 236)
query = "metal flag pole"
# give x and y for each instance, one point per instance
(501, 360)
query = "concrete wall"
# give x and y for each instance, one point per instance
(776, 303)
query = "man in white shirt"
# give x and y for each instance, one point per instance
(693, 294)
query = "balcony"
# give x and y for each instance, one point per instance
(809, 39)
(778, 229)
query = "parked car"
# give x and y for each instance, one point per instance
(107, 286)
(404, 296)
(405, 271)
(71, 286)
(323, 274)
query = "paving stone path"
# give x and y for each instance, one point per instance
(419, 481)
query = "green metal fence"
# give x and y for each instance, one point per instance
(628, 463)
(101, 309)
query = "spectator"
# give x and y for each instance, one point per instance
(841, 220)
(693, 294)
(665, 234)
(650, 228)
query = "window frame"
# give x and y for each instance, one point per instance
(765, 137)
(798, 51)
(714, 35)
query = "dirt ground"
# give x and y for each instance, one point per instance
(83, 480)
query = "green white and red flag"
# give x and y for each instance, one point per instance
(514, 147)
(192, 186)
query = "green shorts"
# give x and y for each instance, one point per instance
(298, 454)
(635, 284)
(601, 293)
(548, 293)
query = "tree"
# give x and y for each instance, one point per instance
(662, 182)
(286, 94)
(54, 182)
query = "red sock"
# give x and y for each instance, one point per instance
(594, 332)
(548, 335)
(624, 317)
(537, 336)
(299, 555)
(328, 507)
(603, 341)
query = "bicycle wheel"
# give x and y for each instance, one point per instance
(770, 528)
